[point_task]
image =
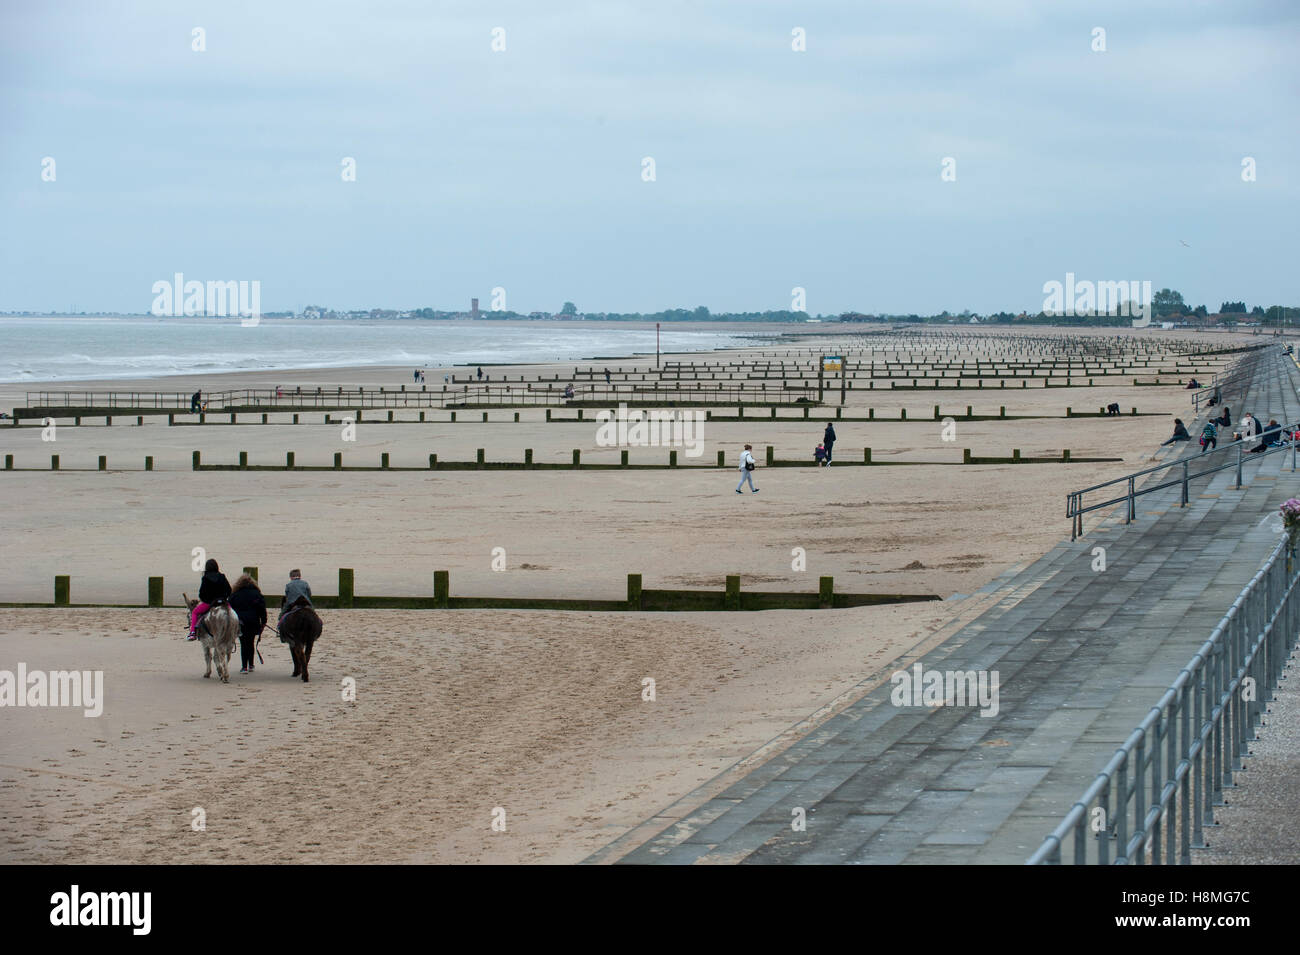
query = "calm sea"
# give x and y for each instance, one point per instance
(62, 349)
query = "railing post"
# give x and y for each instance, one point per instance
(1238, 464)
(1184, 503)
(1132, 511)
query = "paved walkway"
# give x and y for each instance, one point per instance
(1081, 657)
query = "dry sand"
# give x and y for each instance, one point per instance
(456, 713)
(461, 712)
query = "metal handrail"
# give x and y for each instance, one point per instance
(1184, 752)
(1075, 510)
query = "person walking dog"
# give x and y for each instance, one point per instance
(747, 469)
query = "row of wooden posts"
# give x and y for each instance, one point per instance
(358, 416)
(481, 463)
(731, 597)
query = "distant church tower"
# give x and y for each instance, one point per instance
(473, 308)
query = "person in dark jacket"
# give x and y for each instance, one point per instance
(828, 439)
(195, 407)
(1224, 420)
(250, 606)
(213, 588)
(1180, 433)
(1270, 437)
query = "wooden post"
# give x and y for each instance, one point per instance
(731, 599)
(62, 591)
(264, 418)
(383, 460)
(243, 460)
(155, 591)
(54, 462)
(633, 591)
(195, 463)
(826, 592)
(516, 417)
(139, 420)
(622, 458)
(103, 462)
(441, 589)
(866, 455)
(722, 459)
(480, 457)
(771, 455)
(288, 460)
(672, 459)
(577, 458)
(148, 462)
(433, 461)
(965, 456)
(345, 587)
(528, 457)
(338, 460)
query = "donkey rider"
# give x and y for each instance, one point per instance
(214, 588)
(294, 589)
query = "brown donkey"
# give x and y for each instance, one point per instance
(300, 628)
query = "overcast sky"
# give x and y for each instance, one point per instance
(523, 168)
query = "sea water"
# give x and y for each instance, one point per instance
(59, 348)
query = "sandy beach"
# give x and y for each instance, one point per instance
(458, 713)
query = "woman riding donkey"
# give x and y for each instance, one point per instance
(214, 588)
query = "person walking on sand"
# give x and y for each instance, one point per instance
(828, 439)
(607, 376)
(480, 373)
(250, 607)
(747, 466)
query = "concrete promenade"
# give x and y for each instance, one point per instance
(1081, 656)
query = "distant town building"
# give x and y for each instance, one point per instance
(473, 308)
